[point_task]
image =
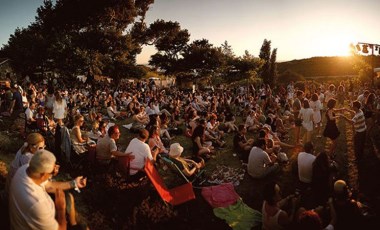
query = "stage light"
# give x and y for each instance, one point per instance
(365, 49)
(358, 47)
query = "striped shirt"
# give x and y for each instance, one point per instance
(359, 122)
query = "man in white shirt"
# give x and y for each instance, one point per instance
(305, 163)
(259, 162)
(29, 116)
(30, 206)
(140, 151)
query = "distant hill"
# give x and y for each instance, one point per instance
(319, 66)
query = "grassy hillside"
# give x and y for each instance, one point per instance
(322, 66)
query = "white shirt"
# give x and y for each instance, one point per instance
(141, 151)
(258, 160)
(30, 206)
(59, 109)
(305, 167)
(29, 114)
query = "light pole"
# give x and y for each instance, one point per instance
(363, 47)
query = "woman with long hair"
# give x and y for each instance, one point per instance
(331, 130)
(155, 141)
(34, 142)
(199, 146)
(59, 108)
(306, 114)
(80, 143)
(321, 180)
(316, 106)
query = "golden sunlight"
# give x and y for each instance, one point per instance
(333, 44)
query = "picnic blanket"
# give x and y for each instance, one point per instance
(239, 216)
(220, 196)
(224, 174)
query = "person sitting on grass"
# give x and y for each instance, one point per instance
(34, 142)
(188, 166)
(242, 145)
(155, 141)
(112, 112)
(81, 143)
(274, 217)
(200, 147)
(252, 123)
(140, 151)
(310, 219)
(30, 206)
(106, 147)
(260, 164)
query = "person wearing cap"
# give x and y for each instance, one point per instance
(30, 206)
(188, 166)
(347, 209)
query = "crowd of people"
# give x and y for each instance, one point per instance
(258, 118)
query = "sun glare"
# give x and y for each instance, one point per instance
(337, 44)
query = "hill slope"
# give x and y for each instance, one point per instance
(319, 66)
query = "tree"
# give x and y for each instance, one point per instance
(170, 40)
(201, 57)
(72, 37)
(246, 66)
(289, 76)
(361, 64)
(273, 67)
(269, 70)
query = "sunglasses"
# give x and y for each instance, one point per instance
(55, 170)
(39, 147)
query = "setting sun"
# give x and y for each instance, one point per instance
(333, 44)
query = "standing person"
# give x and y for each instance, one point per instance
(30, 206)
(316, 106)
(330, 93)
(358, 121)
(296, 111)
(59, 108)
(331, 130)
(306, 114)
(16, 106)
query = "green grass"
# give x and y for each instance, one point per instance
(109, 207)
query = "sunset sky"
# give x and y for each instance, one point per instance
(298, 28)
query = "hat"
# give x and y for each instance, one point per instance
(175, 150)
(282, 157)
(339, 186)
(267, 126)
